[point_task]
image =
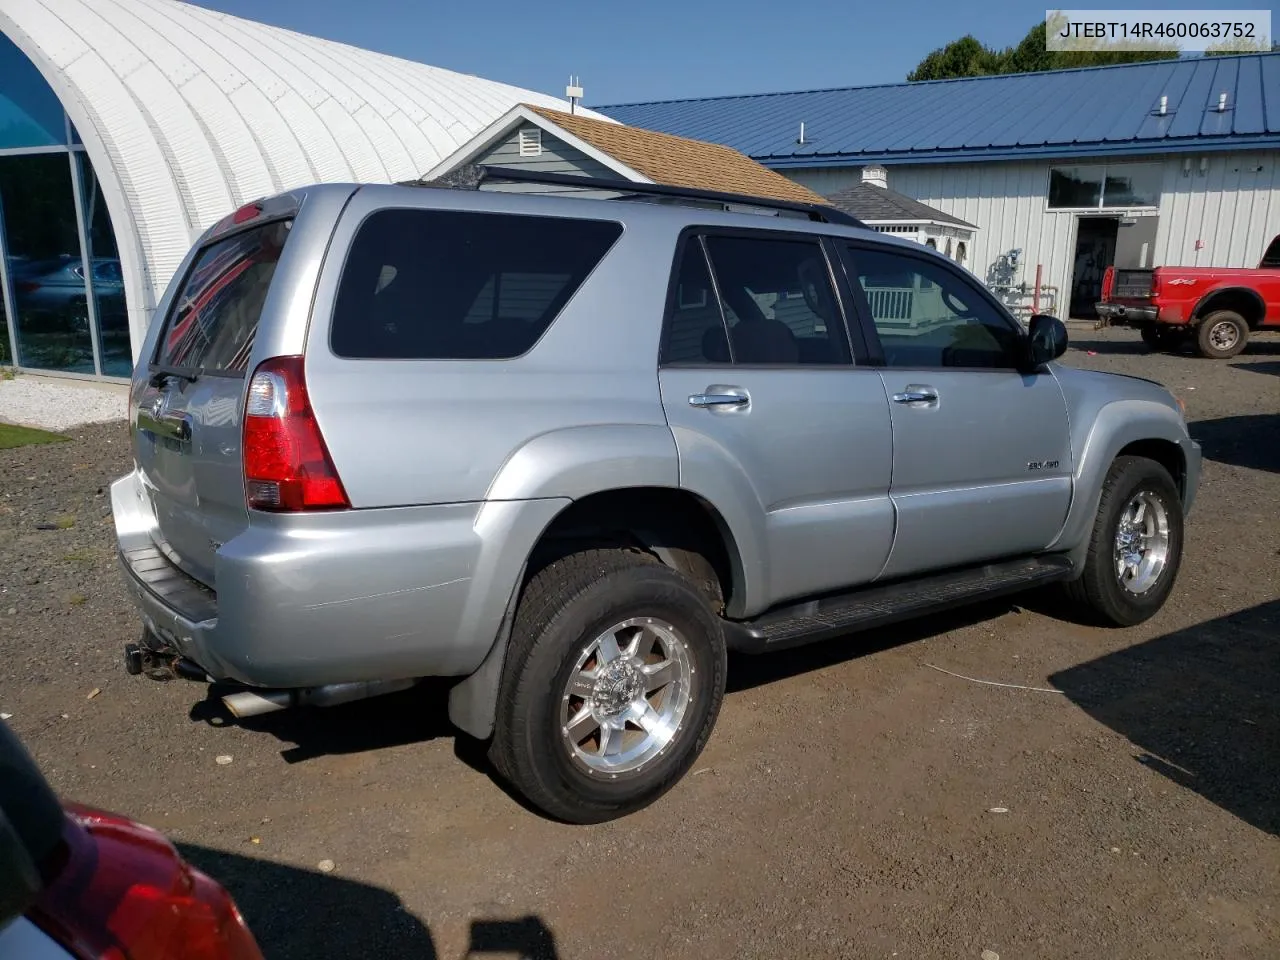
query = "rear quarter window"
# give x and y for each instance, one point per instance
(451, 285)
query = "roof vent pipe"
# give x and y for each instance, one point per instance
(1164, 105)
(1222, 102)
(801, 140)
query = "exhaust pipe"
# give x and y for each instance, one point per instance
(253, 703)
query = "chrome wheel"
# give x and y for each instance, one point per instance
(1142, 542)
(626, 697)
(1224, 335)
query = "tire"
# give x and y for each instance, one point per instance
(566, 611)
(1118, 598)
(1222, 334)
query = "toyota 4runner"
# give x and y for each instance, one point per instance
(570, 451)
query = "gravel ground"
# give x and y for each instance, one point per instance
(854, 801)
(56, 404)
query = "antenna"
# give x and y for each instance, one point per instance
(574, 92)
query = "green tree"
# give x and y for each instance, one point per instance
(967, 57)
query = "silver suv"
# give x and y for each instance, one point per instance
(570, 451)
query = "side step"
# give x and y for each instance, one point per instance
(797, 624)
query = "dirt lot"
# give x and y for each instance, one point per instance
(846, 805)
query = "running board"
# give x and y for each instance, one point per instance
(875, 606)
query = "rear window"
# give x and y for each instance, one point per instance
(446, 285)
(215, 315)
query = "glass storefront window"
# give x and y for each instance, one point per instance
(106, 280)
(30, 115)
(46, 271)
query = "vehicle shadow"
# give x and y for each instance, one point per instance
(1266, 366)
(1201, 705)
(1258, 347)
(304, 914)
(411, 716)
(1246, 441)
(1109, 347)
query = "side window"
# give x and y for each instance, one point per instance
(453, 285)
(778, 301)
(695, 330)
(927, 316)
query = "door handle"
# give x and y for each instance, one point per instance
(917, 394)
(718, 400)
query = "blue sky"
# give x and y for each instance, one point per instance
(674, 48)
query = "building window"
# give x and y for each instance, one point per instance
(46, 270)
(62, 304)
(1096, 186)
(960, 253)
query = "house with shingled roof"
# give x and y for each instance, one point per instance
(552, 141)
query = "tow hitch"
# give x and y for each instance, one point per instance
(152, 657)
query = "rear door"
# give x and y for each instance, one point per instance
(187, 416)
(771, 415)
(981, 450)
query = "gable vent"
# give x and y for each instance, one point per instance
(531, 142)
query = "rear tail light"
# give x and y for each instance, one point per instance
(287, 466)
(120, 891)
(1155, 284)
(1108, 283)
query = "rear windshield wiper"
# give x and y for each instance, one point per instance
(160, 373)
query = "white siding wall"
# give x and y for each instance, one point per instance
(1234, 207)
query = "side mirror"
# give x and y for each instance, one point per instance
(1047, 340)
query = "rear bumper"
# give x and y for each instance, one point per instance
(1125, 313)
(306, 600)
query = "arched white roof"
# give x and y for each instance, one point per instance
(187, 113)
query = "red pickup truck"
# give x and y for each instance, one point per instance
(1218, 307)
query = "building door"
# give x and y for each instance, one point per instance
(1095, 251)
(1136, 243)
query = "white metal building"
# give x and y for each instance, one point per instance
(129, 126)
(1170, 162)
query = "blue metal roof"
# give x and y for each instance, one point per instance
(1096, 111)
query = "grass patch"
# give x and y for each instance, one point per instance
(77, 599)
(81, 556)
(12, 435)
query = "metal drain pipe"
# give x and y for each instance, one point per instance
(252, 703)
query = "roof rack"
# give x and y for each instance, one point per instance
(814, 211)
